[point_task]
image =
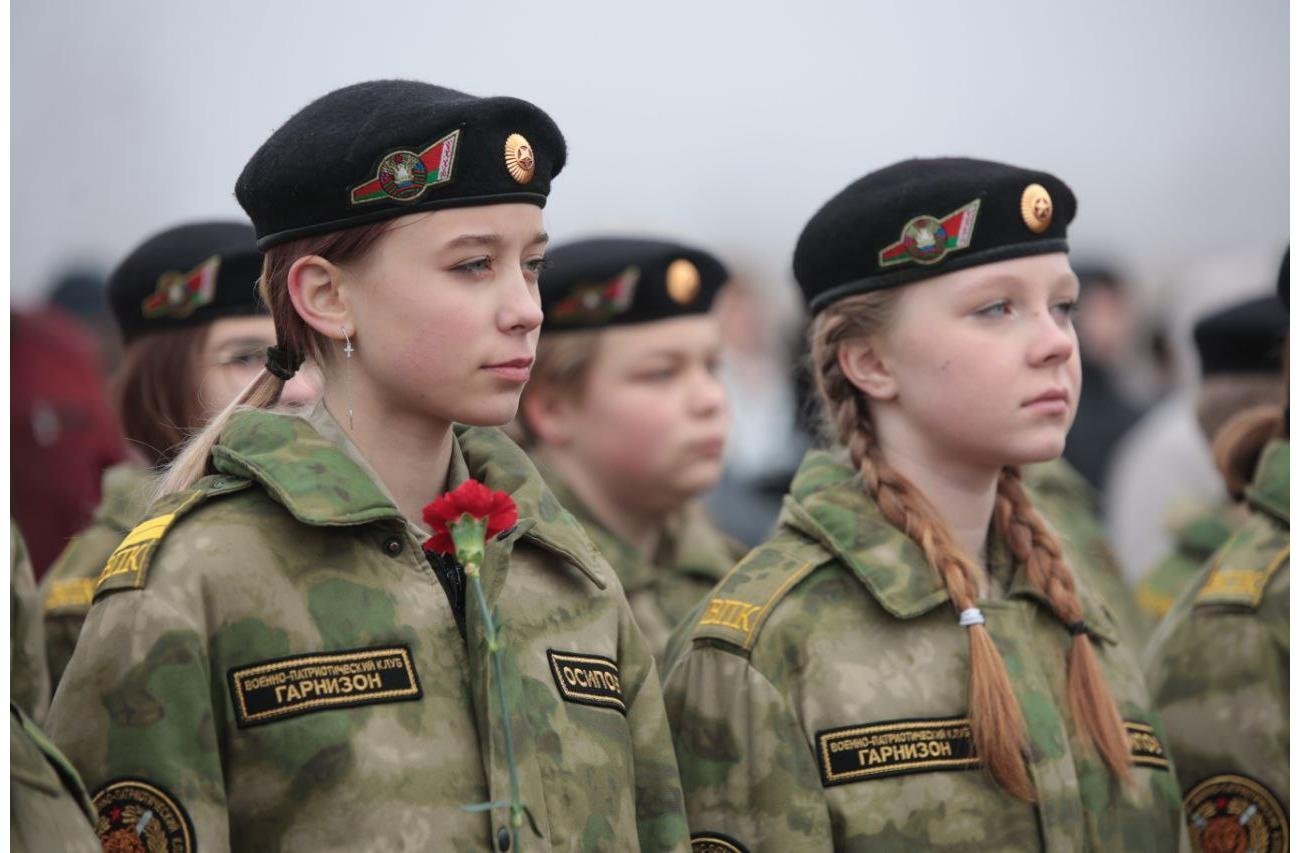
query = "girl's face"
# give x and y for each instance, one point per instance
(233, 356)
(982, 364)
(651, 421)
(446, 312)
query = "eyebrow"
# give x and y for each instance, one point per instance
(243, 342)
(467, 240)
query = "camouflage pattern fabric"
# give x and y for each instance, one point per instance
(29, 681)
(1195, 541)
(69, 586)
(692, 557)
(271, 664)
(1069, 504)
(819, 701)
(1219, 668)
(48, 807)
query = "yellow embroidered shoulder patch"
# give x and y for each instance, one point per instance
(129, 563)
(70, 596)
(1227, 584)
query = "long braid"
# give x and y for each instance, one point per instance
(997, 725)
(1033, 544)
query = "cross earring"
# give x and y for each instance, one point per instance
(348, 349)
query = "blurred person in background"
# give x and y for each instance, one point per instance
(195, 334)
(1106, 325)
(1219, 664)
(1162, 467)
(63, 433)
(760, 364)
(625, 416)
(83, 293)
(1240, 355)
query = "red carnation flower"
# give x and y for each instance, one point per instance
(463, 519)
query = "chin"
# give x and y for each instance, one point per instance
(698, 479)
(489, 413)
(1032, 451)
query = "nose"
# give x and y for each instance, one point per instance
(303, 389)
(522, 309)
(1054, 340)
(708, 395)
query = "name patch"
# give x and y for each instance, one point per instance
(858, 753)
(289, 687)
(730, 613)
(587, 679)
(1145, 747)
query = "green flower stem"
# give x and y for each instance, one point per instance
(494, 650)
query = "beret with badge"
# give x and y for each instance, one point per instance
(385, 148)
(922, 218)
(186, 276)
(610, 281)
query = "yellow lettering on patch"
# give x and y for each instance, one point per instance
(1234, 582)
(76, 593)
(730, 613)
(129, 556)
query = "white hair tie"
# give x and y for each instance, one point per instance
(970, 616)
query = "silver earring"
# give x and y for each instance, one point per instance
(347, 371)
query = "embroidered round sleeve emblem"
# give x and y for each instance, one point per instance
(716, 842)
(1229, 813)
(138, 817)
(520, 162)
(682, 281)
(1036, 208)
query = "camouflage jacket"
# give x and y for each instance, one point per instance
(1069, 504)
(271, 663)
(48, 807)
(29, 681)
(1219, 668)
(820, 702)
(1195, 541)
(692, 557)
(69, 585)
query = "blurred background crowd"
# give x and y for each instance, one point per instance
(719, 124)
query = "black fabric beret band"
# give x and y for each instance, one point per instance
(387, 148)
(186, 276)
(1242, 338)
(918, 219)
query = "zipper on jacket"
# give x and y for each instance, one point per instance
(452, 578)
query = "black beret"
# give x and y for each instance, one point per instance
(612, 281)
(386, 148)
(186, 276)
(922, 218)
(1244, 338)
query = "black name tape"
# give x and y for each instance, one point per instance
(859, 753)
(287, 687)
(587, 679)
(1144, 746)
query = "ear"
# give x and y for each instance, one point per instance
(864, 366)
(316, 290)
(549, 416)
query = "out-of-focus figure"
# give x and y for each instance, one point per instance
(1240, 353)
(194, 335)
(1219, 664)
(62, 430)
(625, 416)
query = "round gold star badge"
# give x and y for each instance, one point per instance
(520, 162)
(682, 281)
(1036, 208)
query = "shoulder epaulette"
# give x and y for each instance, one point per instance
(1243, 567)
(128, 566)
(745, 598)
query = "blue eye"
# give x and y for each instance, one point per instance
(478, 265)
(536, 265)
(1069, 308)
(997, 309)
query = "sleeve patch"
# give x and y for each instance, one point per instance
(289, 687)
(716, 842)
(587, 679)
(72, 595)
(138, 815)
(1229, 812)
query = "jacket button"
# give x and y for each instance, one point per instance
(503, 839)
(393, 546)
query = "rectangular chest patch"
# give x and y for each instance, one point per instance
(1145, 746)
(587, 679)
(859, 753)
(289, 687)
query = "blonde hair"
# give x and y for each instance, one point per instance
(293, 336)
(560, 368)
(997, 724)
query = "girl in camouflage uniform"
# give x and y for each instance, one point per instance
(272, 662)
(911, 662)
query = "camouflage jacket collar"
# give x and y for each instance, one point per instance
(1270, 490)
(126, 493)
(320, 484)
(827, 502)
